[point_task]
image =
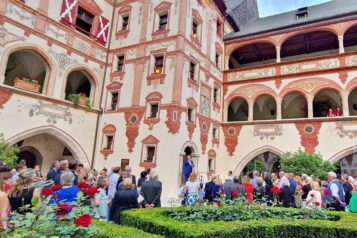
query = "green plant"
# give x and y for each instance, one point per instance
(75, 99)
(156, 221)
(301, 162)
(8, 153)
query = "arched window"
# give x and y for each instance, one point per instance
(238, 110)
(350, 39)
(267, 161)
(316, 43)
(324, 101)
(352, 102)
(264, 108)
(27, 70)
(253, 54)
(294, 105)
(79, 82)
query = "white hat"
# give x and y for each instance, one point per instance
(332, 174)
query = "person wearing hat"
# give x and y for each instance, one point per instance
(336, 198)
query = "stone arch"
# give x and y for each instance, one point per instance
(342, 154)
(351, 85)
(295, 33)
(230, 49)
(251, 92)
(93, 78)
(52, 71)
(35, 152)
(73, 146)
(191, 145)
(246, 159)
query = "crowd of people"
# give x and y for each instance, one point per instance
(284, 189)
(118, 189)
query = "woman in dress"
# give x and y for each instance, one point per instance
(101, 199)
(314, 199)
(249, 188)
(191, 189)
(22, 193)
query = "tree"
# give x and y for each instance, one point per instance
(301, 162)
(8, 153)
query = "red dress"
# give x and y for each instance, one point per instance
(249, 188)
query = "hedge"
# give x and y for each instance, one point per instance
(108, 230)
(156, 221)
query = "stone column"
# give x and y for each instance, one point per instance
(345, 108)
(250, 110)
(310, 106)
(341, 48)
(278, 52)
(278, 109)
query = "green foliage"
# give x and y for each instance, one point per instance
(116, 231)
(257, 165)
(75, 99)
(303, 163)
(156, 221)
(8, 154)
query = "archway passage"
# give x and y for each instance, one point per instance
(348, 165)
(42, 149)
(79, 82)
(238, 110)
(266, 162)
(325, 100)
(26, 65)
(253, 54)
(316, 43)
(264, 108)
(350, 39)
(294, 105)
(352, 102)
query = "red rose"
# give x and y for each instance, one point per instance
(92, 191)
(83, 186)
(235, 194)
(64, 208)
(219, 204)
(46, 192)
(312, 195)
(84, 220)
(222, 193)
(327, 192)
(56, 187)
(317, 203)
(55, 197)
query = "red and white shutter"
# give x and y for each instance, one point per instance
(68, 12)
(103, 30)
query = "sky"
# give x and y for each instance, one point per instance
(272, 7)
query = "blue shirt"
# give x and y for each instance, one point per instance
(65, 195)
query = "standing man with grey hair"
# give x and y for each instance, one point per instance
(347, 187)
(151, 191)
(63, 168)
(51, 174)
(284, 181)
(336, 197)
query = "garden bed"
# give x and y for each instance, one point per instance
(158, 221)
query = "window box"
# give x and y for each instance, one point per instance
(27, 84)
(79, 100)
(193, 84)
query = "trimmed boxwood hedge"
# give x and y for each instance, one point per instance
(156, 221)
(116, 231)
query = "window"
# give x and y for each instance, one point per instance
(217, 59)
(114, 101)
(215, 133)
(190, 115)
(210, 165)
(154, 109)
(192, 70)
(219, 28)
(215, 95)
(124, 163)
(159, 64)
(195, 29)
(120, 65)
(125, 23)
(163, 20)
(109, 144)
(84, 21)
(150, 153)
(302, 13)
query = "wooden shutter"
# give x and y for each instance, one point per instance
(103, 30)
(68, 12)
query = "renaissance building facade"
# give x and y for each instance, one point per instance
(146, 83)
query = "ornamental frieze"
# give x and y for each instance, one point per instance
(268, 131)
(7, 37)
(346, 129)
(252, 74)
(21, 15)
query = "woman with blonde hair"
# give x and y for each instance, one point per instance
(217, 189)
(191, 189)
(314, 199)
(249, 188)
(22, 193)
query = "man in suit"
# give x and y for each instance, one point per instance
(188, 167)
(151, 191)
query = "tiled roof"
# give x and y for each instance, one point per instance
(288, 19)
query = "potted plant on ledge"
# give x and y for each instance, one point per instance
(80, 99)
(27, 84)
